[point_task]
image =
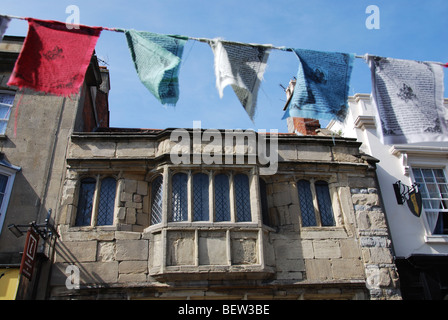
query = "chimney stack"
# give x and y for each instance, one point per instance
(301, 126)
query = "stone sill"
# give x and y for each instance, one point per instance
(200, 225)
(213, 272)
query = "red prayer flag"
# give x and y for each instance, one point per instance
(54, 59)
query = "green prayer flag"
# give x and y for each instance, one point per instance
(157, 60)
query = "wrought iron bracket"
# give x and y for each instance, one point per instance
(402, 191)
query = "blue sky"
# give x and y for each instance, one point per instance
(415, 30)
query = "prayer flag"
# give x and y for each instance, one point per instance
(157, 62)
(242, 66)
(409, 99)
(4, 22)
(321, 90)
(54, 59)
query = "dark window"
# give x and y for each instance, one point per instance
(222, 200)
(85, 202)
(306, 204)
(156, 200)
(242, 197)
(107, 202)
(200, 197)
(179, 197)
(324, 202)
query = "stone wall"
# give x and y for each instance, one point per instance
(279, 259)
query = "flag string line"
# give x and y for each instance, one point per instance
(207, 40)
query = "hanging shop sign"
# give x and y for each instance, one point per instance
(411, 195)
(415, 202)
(29, 254)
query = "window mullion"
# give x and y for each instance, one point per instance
(232, 199)
(315, 203)
(190, 196)
(96, 199)
(211, 197)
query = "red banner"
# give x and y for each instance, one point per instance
(54, 59)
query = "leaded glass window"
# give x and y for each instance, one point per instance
(107, 202)
(179, 197)
(222, 199)
(242, 197)
(200, 197)
(85, 202)
(324, 203)
(156, 200)
(311, 192)
(103, 212)
(306, 203)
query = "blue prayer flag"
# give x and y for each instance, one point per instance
(321, 90)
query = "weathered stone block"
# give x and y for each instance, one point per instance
(99, 272)
(132, 250)
(244, 251)
(212, 248)
(142, 188)
(130, 186)
(318, 269)
(181, 248)
(75, 251)
(347, 269)
(326, 249)
(106, 251)
(133, 267)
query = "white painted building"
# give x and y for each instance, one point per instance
(420, 243)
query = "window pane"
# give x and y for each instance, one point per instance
(4, 111)
(3, 182)
(306, 204)
(85, 202)
(3, 125)
(107, 202)
(222, 200)
(179, 197)
(200, 197)
(156, 198)
(7, 98)
(242, 197)
(427, 175)
(324, 202)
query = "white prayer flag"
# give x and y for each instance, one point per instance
(242, 67)
(4, 21)
(409, 99)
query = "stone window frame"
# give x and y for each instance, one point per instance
(211, 172)
(95, 200)
(317, 214)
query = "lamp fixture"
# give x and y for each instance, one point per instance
(45, 230)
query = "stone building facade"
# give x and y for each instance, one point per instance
(142, 214)
(35, 128)
(314, 229)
